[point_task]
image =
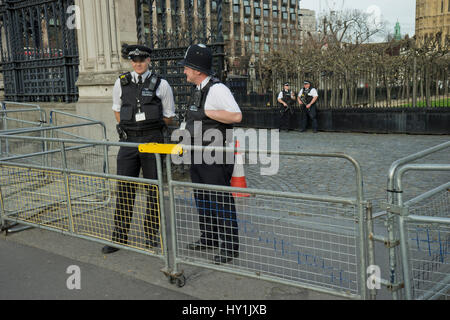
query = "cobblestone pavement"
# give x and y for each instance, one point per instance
(336, 177)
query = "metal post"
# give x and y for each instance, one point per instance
(162, 211)
(220, 40)
(405, 256)
(2, 211)
(140, 21)
(403, 241)
(67, 187)
(150, 42)
(362, 231)
(414, 97)
(370, 245)
(392, 262)
(172, 216)
(361, 226)
(5, 126)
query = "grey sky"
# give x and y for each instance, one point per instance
(403, 11)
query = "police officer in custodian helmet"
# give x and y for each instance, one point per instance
(214, 108)
(143, 105)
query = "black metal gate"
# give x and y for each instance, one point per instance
(39, 54)
(170, 26)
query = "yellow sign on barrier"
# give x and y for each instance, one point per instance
(160, 148)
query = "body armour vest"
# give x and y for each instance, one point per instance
(306, 97)
(196, 113)
(142, 100)
(287, 97)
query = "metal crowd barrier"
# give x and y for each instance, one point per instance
(318, 242)
(307, 241)
(21, 115)
(424, 229)
(82, 203)
(16, 116)
(42, 152)
(32, 122)
(418, 269)
(296, 239)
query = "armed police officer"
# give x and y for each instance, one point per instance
(212, 107)
(286, 98)
(307, 98)
(143, 105)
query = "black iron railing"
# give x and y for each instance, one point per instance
(170, 29)
(38, 50)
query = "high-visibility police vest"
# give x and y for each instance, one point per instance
(141, 99)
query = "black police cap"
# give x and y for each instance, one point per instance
(286, 83)
(198, 57)
(135, 50)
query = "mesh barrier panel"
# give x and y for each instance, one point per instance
(308, 242)
(116, 210)
(429, 249)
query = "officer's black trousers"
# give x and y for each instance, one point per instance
(310, 113)
(285, 119)
(129, 163)
(217, 211)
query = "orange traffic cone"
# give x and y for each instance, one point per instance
(238, 178)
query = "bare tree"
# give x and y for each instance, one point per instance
(342, 60)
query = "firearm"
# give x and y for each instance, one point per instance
(181, 112)
(302, 99)
(122, 133)
(287, 108)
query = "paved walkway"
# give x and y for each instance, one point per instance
(32, 273)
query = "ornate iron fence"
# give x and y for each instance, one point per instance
(38, 49)
(169, 27)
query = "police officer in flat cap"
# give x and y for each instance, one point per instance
(143, 105)
(307, 98)
(214, 107)
(286, 98)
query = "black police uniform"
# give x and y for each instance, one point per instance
(310, 113)
(138, 99)
(141, 121)
(286, 112)
(217, 211)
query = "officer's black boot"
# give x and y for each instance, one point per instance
(109, 249)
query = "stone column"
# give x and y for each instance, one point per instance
(105, 25)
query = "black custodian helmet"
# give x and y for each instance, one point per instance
(198, 57)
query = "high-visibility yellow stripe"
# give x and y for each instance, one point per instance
(160, 148)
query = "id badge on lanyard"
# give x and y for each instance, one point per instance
(140, 116)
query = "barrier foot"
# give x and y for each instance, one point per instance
(9, 227)
(17, 228)
(175, 278)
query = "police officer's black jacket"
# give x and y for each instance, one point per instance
(196, 112)
(141, 98)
